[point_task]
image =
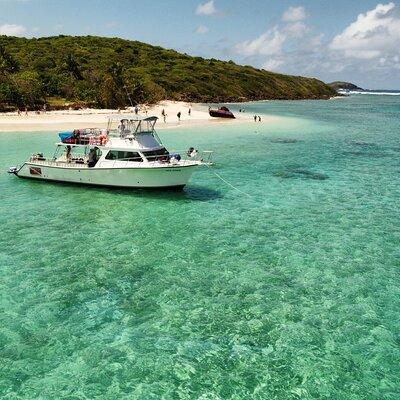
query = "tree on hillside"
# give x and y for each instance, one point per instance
(110, 94)
(8, 65)
(29, 87)
(116, 72)
(9, 93)
(71, 65)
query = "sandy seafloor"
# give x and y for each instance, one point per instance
(292, 292)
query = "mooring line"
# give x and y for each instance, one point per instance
(228, 183)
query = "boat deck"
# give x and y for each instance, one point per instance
(114, 164)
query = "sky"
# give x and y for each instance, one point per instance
(351, 40)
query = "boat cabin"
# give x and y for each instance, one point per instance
(128, 153)
(128, 139)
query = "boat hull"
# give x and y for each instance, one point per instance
(221, 114)
(150, 177)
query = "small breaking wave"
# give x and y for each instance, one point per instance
(374, 93)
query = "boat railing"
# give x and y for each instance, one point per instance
(80, 163)
(125, 163)
(183, 157)
(172, 159)
(195, 155)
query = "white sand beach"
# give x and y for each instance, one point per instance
(91, 118)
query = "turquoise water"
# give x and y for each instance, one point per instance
(292, 293)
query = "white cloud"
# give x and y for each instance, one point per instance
(202, 29)
(373, 34)
(269, 43)
(294, 14)
(272, 41)
(366, 52)
(12, 30)
(296, 29)
(273, 64)
(206, 8)
(315, 41)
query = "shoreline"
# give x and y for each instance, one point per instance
(51, 121)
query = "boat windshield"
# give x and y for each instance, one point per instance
(125, 125)
(156, 155)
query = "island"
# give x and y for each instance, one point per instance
(338, 85)
(99, 72)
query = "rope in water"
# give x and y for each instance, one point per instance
(228, 183)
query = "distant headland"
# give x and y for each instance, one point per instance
(338, 85)
(102, 72)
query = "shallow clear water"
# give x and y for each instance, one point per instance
(292, 293)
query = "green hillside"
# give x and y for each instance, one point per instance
(105, 72)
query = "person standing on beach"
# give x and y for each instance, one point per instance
(255, 118)
(189, 112)
(259, 119)
(136, 110)
(179, 116)
(26, 110)
(19, 111)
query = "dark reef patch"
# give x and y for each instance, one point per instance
(361, 143)
(359, 148)
(301, 173)
(360, 153)
(283, 140)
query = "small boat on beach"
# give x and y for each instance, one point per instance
(128, 153)
(221, 112)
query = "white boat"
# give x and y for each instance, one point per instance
(130, 155)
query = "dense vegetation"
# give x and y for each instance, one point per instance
(106, 72)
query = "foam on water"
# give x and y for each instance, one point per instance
(293, 293)
(371, 92)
